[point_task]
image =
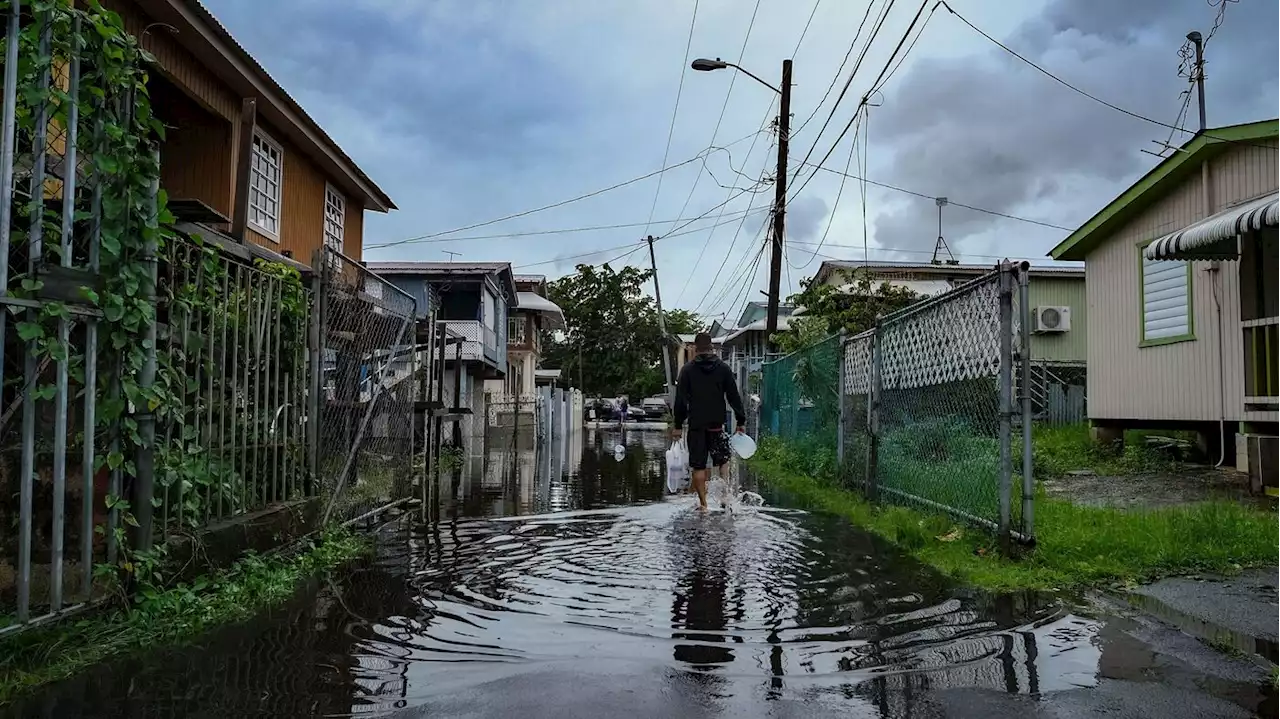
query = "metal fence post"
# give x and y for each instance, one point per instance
(144, 490)
(841, 394)
(1006, 401)
(874, 390)
(1024, 344)
(315, 380)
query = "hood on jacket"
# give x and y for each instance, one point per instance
(707, 362)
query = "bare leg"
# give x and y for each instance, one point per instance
(700, 486)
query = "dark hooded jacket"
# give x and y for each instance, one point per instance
(704, 385)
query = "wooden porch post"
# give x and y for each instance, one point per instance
(244, 160)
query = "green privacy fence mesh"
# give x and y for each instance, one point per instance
(922, 409)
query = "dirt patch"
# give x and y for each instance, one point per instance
(1153, 490)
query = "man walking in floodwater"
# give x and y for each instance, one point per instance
(704, 385)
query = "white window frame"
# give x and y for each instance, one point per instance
(255, 173)
(336, 202)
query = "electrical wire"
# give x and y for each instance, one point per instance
(839, 71)
(675, 112)
(531, 233)
(634, 247)
(880, 85)
(723, 108)
(1093, 97)
(737, 233)
(875, 31)
(735, 276)
(748, 281)
(901, 41)
(571, 200)
(949, 201)
(805, 31)
(831, 216)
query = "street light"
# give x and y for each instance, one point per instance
(702, 64)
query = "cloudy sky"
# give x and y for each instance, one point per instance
(469, 110)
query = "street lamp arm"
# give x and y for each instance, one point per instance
(705, 65)
(753, 76)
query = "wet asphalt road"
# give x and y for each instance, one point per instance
(565, 585)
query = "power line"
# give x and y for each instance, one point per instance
(1095, 98)
(737, 274)
(875, 31)
(723, 260)
(748, 281)
(949, 201)
(723, 107)
(571, 200)
(831, 216)
(707, 243)
(879, 77)
(805, 31)
(529, 233)
(839, 71)
(675, 112)
(634, 247)
(880, 85)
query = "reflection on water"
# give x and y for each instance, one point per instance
(549, 563)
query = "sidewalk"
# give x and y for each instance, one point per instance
(1230, 613)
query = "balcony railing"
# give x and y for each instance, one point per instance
(1261, 359)
(479, 343)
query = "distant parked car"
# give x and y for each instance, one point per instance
(604, 409)
(654, 407)
(636, 414)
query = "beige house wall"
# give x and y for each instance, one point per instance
(1180, 381)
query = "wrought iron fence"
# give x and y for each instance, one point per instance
(364, 397)
(922, 408)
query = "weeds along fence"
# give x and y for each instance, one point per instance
(921, 409)
(153, 383)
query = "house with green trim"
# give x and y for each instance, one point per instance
(1181, 286)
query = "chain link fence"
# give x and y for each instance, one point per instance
(922, 408)
(365, 393)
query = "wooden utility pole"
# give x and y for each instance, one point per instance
(662, 326)
(780, 200)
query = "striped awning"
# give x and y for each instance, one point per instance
(1214, 238)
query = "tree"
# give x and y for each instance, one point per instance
(828, 308)
(612, 341)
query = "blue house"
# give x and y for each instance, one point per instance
(473, 304)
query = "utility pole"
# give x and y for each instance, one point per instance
(780, 200)
(662, 326)
(1198, 74)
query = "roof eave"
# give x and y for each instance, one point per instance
(1142, 193)
(207, 28)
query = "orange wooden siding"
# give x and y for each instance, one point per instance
(302, 209)
(353, 232)
(195, 157)
(177, 64)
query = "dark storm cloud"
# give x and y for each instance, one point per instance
(990, 131)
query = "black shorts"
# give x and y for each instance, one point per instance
(707, 444)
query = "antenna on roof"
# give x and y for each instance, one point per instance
(452, 254)
(941, 245)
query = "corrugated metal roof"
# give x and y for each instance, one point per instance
(437, 268)
(214, 24)
(829, 266)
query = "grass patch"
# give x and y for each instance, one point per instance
(1058, 449)
(168, 616)
(1077, 547)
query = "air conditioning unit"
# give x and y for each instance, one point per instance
(1046, 320)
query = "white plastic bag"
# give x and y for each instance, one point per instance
(677, 466)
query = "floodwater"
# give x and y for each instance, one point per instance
(564, 584)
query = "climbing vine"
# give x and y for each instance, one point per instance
(134, 266)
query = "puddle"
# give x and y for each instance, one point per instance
(559, 587)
